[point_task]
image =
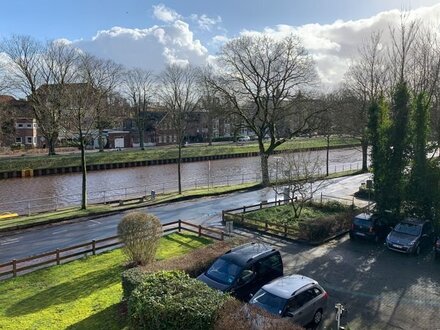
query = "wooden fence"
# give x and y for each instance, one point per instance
(28, 264)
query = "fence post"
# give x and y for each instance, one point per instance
(242, 178)
(242, 218)
(56, 203)
(261, 205)
(321, 197)
(200, 230)
(285, 230)
(29, 208)
(223, 216)
(180, 226)
(104, 196)
(222, 236)
(93, 247)
(163, 188)
(265, 225)
(14, 268)
(244, 209)
(58, 256)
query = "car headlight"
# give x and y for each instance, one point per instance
(412, 243)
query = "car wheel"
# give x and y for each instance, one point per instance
(317, 317)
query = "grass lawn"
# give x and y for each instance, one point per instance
(84, 294)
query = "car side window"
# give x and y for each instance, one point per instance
(304, 297)
(247, 275)
(268, 265)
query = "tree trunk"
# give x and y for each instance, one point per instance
(84, 174)
(265, 180)
(100, 139)
(179, 159)
(364, 145)
(141, 137)
(51, 145)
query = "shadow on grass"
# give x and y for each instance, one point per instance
(77, 288)
(110, 318)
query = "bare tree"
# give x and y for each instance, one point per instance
(180, 96)
(301, 177)
(364, 82)
(139, 87)
(259, 78)
(84, 102)
(42, 72)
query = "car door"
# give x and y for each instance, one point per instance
(245, 283)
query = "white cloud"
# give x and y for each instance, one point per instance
(150, 48)
(334, 45)
(165, 14)
(205, 22)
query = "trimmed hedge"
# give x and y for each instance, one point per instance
(318, 229)
(193, 263)
(173, 300)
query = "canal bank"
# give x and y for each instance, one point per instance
(28, 171)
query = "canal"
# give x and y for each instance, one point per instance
(30, 195)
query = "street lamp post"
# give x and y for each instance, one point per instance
(277, 160)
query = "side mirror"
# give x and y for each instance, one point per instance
(289, 314)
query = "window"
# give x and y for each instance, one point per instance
(20, 125)
(18, 140)
(29, 125)
(303, 298)
(269, 265)
(29, 139)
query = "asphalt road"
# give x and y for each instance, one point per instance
(381, 289)
(206, 211)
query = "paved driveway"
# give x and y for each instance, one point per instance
(380, 288)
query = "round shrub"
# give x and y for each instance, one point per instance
(131, 278)
(140, 233)
(172, 300)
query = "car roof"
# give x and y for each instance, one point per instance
(364, 216)
(285, 287)
(247, 253)
(414, 221)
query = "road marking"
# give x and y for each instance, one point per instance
(96, 221)
(59, 231)
(10, 241)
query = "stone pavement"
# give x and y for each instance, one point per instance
(381, 289)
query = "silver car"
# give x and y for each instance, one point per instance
(298, 297)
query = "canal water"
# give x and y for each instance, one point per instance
(29, 195)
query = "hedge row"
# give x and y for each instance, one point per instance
(193, 263)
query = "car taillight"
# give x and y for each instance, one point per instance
(325, 295)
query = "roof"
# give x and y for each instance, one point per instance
(286, 286)
(244, 254)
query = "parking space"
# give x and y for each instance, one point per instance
(381, 289)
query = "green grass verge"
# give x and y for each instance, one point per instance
(83, 294)
(169, 152)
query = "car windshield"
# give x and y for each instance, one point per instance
(408, 228)
(223, 271)
(269, 302)
(362, 222)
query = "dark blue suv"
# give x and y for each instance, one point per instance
(244, 269)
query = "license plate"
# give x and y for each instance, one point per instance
(397, 246)
(360, 234)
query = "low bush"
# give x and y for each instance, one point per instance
(314, 230)
(140, 233)
(131, 279)
(240, 316)
(173, 300)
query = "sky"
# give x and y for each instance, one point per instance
(150, 34)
